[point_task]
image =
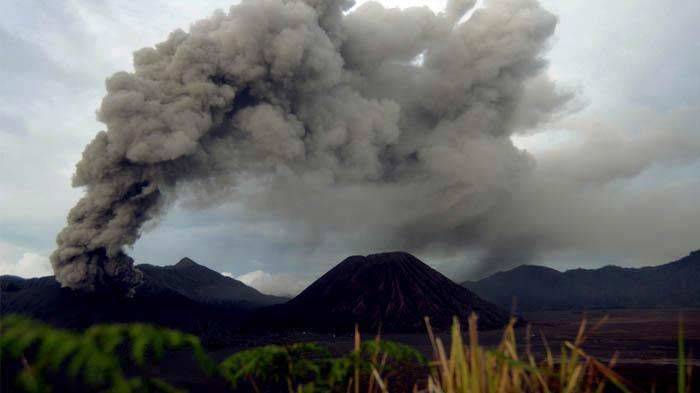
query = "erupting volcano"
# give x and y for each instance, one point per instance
(399, 121)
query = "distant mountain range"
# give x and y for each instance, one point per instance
(394, 291)
(675, 284)
(391, 290)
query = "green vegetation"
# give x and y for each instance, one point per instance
(311, 368)
(472, 368)
(95, 359)
(117, 358)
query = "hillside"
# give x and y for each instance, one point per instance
(201, 284)
(185, 296)
(675, 284)
(391, 290)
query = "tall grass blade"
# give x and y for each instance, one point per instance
(681, 357)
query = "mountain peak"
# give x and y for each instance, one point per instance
(394, 290)
(204, 285)
(187, 262)
(389, 256)
(534, 268)
(195, 271)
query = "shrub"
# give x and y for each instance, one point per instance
(311, 368)
(93, 359)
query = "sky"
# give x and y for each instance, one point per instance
(626, 154)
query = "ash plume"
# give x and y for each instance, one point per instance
(329, 112)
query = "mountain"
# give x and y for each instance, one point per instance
(204, 285)
(185, 296)
(392, 290)
(675, 284)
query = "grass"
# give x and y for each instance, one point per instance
(471, 368)
(117, 358)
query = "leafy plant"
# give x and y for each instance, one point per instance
(311, 368)
(94, 358)
(273, 363)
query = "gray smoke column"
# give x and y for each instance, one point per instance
(329, 111)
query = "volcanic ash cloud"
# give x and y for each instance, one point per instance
(304, 97)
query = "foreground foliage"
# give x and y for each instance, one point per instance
(311, 368)
(117, 358)
(471, 368)
(96, 359)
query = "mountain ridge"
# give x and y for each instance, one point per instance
(199, 283)
(673, 284)
(189, 297)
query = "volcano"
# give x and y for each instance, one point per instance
(392, 291)
(185, 296)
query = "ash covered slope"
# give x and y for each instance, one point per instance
(674, 284)
(185, 296)
(395, 290)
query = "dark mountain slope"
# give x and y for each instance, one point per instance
(186, 296)
(394, 290)
(675, 284)
(204, 285)
(44, 299)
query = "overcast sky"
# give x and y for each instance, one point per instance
(632, 138)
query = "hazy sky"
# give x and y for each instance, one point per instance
(631, 144)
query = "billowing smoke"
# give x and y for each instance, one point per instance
(394, 122)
